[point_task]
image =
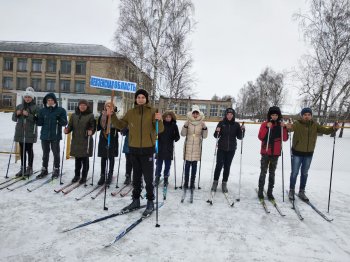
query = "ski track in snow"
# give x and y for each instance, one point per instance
(31, 223)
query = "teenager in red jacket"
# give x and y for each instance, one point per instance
(270, 134)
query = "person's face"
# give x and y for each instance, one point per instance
(82, 107)
(274, 117)
(50, 102)
(229, 116)
(141, 99)
(195, 114)
(307, 116)
(28, 99)
(168, 118)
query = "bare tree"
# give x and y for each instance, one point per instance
(325, 71)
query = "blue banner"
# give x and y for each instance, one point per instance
(106, 83)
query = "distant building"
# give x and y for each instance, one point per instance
(213, 110)
(64, 69)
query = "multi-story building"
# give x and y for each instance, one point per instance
(64, 69)
(213, 110)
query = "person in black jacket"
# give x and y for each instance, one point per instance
(103, 145)
(227, 131)
(166, 146)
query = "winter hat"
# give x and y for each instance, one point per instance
(274, 110)
(29, 92)
(141, 92)
(306, 110)
(195, 108)
(230, 110)
(83, 101)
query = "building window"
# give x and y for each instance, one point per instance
(22, 64)
(182, 109)
(39, 102)
(50, 85)
(66, 67)
(100, 106)
(72, 104)
(7, 83)
(36, 65)
(21, 83)
(7, 101)
(213, 110)
(80, 67)
(36, 84)
(203, 108)
(51, 66)
(65, 86)
(8, 64)
(222, 110)
(80, 86)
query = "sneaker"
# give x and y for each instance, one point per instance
(55, 173)
(224, 187)
(19, 173)
(261, 193)
(101, 181)
(302, 195)
(149, 209)
(214, 186)
(127, 180)
(291, 194)
(156, 180)
(75, 179)
(134, 205)
(166, 181)
(43, 173)
(29, 171)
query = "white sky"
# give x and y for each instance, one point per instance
(233, 42)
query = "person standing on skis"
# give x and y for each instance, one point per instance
(82, 124)
(227, 131)
(270, 134)
(26, 131)
(141, 121)
(166, 146)
(304, 142)
(51, 118)
(195, 131)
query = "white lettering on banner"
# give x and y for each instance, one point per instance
(106, 83)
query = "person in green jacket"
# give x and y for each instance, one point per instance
(304, 142)
(26, 132)
(141, 121)
(82, 124)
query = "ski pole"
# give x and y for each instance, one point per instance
(290, 144)
(157, 130)
(64, 145)
(183, 165)
(240, 167)
(330, 180)
(106, 171)
(212, 167)
(174, 165)
(120, 156)
(8, 165)
(282, 163)
(268, 140)
(93, 163)
(24, 146)
(200, 163)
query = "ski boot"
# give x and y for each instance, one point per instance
(156, 180)
(75, 178)
(83, 179)
(224, 187)
(43, 173)
(20, 172)
(261, 193)
(214, 186)
(302, 195)
(101, 181)
(149, 209)
(127, 179)
(291, 194)
(270, 195)
(55, 173)
(134, 205)
(29, 171)
(166, 181)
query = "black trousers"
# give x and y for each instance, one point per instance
(55, 147)
(268, 162)
(28, 151)
(142, 165)
(104, 164)
(223, 160)
(128, 165)
(82, 162)
(193, 166)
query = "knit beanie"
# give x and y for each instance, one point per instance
(306, 110)
(141, 92)
(29, 92)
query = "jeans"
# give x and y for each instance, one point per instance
(303, 163)
(159, 166)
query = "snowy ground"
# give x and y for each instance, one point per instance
(30, 223)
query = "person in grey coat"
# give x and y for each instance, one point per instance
(26, 130)
(82, 124)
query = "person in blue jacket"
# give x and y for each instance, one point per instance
(51, 118)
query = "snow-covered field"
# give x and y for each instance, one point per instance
(31, 223)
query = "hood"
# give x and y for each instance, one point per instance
(49, 95)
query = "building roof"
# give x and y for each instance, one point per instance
(56, 49)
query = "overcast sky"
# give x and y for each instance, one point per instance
(233, 42)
